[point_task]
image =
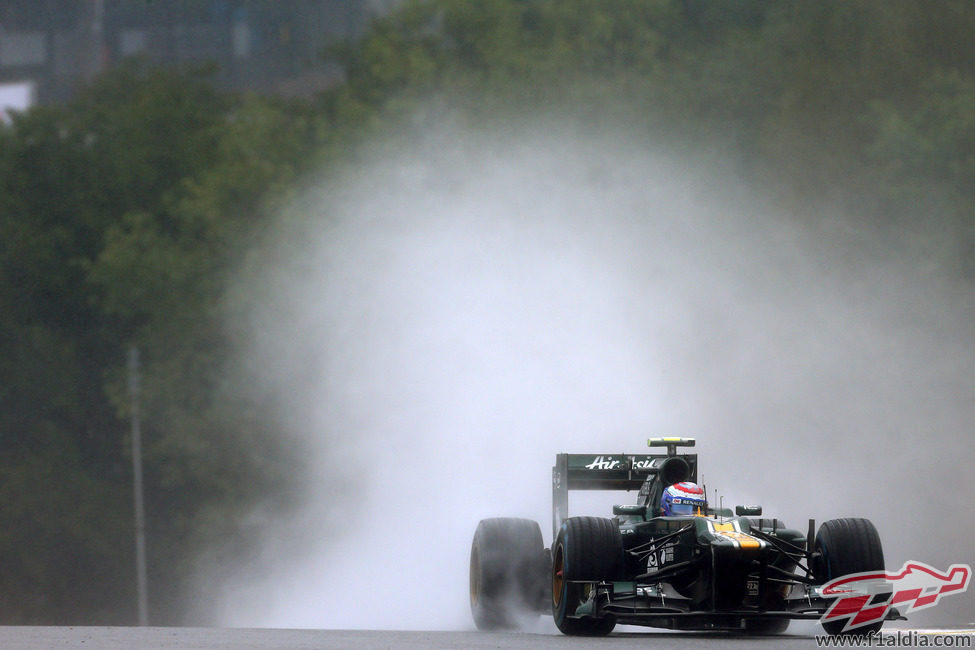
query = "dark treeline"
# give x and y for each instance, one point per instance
(124, 214)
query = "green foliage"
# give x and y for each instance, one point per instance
(120, 216)
(61, 523)
(931, 136)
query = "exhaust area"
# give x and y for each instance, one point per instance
(440, 320)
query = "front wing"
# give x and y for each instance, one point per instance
(635, 604)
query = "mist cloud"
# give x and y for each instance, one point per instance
(443, 318)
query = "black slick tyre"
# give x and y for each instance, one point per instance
(508, 573)
(586, 549)
(846, 546)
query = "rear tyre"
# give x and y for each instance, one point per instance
(847, 546)
(587, 549)
(508, 573)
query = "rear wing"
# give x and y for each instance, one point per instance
(613, 472)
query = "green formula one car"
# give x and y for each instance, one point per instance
(672, 560)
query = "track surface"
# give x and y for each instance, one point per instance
(119, 638)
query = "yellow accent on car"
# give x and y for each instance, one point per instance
(679, 442)
(745, 541)
(730, 531)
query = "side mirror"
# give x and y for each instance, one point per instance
(632, 510)
(748, 511)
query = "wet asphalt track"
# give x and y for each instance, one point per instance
(128, 638)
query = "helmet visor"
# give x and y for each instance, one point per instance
(687, 508)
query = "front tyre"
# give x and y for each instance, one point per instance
(507, 573)
(586, 549)
(846, 546)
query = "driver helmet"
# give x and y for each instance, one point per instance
(684, 498)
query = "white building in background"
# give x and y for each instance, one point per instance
(15, 97)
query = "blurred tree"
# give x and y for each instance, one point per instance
(119, 214)
(212, 456)
(60, 470)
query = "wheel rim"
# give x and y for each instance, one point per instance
(558, 576)
(822, 566)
